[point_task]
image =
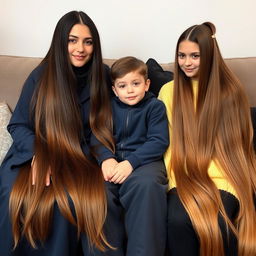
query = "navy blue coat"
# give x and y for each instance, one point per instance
(140, 132)
(62, 240)
(21, 126)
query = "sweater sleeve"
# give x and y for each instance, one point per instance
(21, 126)
(166, 95)
(157, 138)
(100, 151)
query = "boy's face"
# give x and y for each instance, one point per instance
(131, 88)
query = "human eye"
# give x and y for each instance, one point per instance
(72, 40)
(136, 83)
(196, 56)
(121, 86)
(88, 42)
(181, 55)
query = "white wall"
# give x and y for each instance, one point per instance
(143, 28)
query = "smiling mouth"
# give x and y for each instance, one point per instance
(79, 57)
(189, 70)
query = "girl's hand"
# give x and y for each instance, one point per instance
(121, 171)
(34, 170)
(107, 167)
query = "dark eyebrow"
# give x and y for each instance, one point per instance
(77, 37)
(190, 53)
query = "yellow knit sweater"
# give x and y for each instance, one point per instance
(215, 172)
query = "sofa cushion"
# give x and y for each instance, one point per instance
(5, 137)
(157, 76)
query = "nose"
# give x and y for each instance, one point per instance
(80, 47)
(187, 61)
(129, 88)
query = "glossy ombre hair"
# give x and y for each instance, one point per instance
(220, 129)
(77, 183)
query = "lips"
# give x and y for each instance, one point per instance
(79, 57)
(131, 98)
(189, 70)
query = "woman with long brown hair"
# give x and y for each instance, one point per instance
(210, 160)
(52, 195)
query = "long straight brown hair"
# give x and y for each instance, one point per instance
(220, 129)
(76, 180)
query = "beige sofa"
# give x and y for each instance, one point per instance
(14, 70)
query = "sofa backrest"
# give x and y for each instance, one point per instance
(14, 71)
(245, 70)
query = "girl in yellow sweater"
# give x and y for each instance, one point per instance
(210, 160)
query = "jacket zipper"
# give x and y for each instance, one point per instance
(125, 131)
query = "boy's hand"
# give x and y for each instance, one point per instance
(107, 167)
(121, 171)
(34, 170)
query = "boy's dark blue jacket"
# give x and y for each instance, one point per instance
(140, 132)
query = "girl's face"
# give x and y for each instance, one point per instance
(80, 45)
(189, 58)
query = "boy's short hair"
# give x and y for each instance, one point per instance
(128, 64)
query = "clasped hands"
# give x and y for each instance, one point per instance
(116, 172)
(112, 171)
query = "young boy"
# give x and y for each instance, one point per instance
(135, 173)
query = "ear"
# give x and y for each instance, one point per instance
(147, 84)
(114, 90)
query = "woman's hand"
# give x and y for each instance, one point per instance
(121, 171)
(34, 170)
(107, 167)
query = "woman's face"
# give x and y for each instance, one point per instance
(189, 58)
(80, 45)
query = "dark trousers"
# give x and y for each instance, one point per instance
(182, 238)
(135, 224)
(138, 211)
